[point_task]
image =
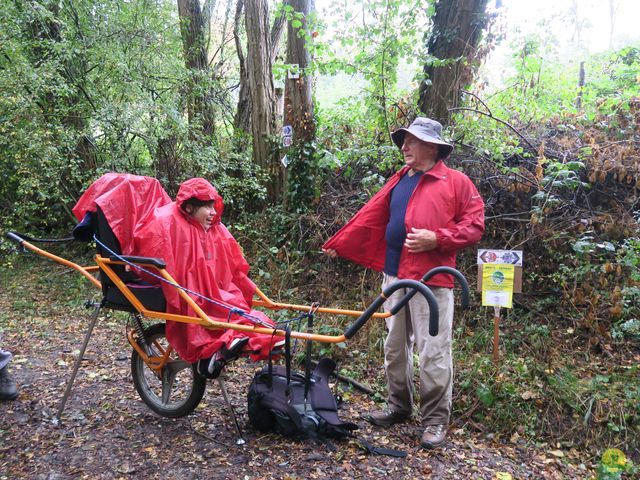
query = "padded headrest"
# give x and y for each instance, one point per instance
(85, 230)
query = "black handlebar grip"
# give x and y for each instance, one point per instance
(457, 276)
(362, 319)
(415, 286)
(15, 237)
(446, 270)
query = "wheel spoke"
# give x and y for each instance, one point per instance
(176, 366)
(168, 377)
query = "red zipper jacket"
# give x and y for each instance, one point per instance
(444, 201)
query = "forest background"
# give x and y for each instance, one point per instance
(203, 88)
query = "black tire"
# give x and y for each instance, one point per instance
(180, 385)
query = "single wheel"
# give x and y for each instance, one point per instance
(178, 389)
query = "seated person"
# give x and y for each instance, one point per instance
(202, 256)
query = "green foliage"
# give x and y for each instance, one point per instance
(81, 89)
(558, 177)
(91, 87)
(373, 43)
(614, 465)
(304, 187)
(524, 397)
(543, 89)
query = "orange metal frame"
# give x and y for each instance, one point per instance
(204, 320)
(156, 363)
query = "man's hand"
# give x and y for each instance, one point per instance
(420, 240)
(331, 253)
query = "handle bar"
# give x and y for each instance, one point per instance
(448, 270)
(386, 293)
(15, 237)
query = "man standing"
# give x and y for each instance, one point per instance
(8, 388)
(420, 218)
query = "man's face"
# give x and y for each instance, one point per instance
(419, 155)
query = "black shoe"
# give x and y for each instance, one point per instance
(212, 367)
(8, 387)
(278, 347)
(234, 349)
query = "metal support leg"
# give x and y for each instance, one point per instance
(240, 440)
(76, 366)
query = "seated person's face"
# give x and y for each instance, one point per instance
(203, 215)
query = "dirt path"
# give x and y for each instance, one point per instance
(107, 432)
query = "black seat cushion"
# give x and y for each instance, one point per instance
(150, 296)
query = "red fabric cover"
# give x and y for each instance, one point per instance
(117, 193)
(209, 262)
(457, 224)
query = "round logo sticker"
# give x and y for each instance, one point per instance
(497, 277)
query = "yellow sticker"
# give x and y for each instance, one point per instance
(497, 285)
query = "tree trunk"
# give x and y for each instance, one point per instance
(242, 119)
(260, 82)
(580, 86)
(298, 104)
(456, 33)
(167, 163)
(194, 33)
(298, 111)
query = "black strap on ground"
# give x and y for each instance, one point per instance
(378, 450)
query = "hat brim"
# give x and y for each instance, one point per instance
(398, 138)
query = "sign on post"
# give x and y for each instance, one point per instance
(499, 277)
(497, 285)
(287, 136)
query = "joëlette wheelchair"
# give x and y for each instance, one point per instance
(170, 386)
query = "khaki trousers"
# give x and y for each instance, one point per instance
(411, 326)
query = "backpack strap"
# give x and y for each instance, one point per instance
(307, 361)
(287, 354)
(319, 398)
(322, 399)
(287, 357)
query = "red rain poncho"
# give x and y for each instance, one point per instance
(208, 262)
(147, 223)
(126, 201)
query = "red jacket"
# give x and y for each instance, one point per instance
(444, 201)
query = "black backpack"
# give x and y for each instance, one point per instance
(301, 406)
(283, 401)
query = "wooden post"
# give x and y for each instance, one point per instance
(496, 334)
(580, 86)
